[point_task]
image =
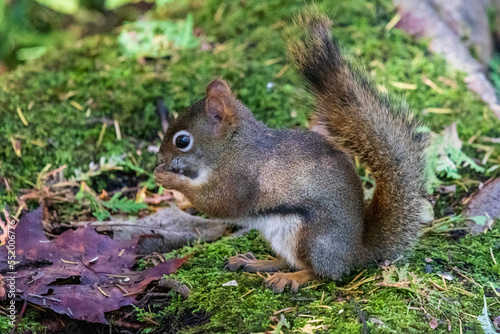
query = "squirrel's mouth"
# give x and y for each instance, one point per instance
(191, 173)
(175, 168)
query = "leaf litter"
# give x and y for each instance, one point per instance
(82, 273)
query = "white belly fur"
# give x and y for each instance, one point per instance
(281, 232)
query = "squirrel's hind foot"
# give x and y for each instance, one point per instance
(279, 281)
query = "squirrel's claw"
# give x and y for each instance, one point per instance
(239, 261)
(279, 281)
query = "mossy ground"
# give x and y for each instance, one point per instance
(64, 95)
(249, 306)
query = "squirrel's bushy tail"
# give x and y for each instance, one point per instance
(382, 134)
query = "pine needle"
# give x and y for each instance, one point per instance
(21, 116)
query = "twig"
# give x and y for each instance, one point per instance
(493, 257)
(101, 135)
(102, 291)
(19, 317)
(467, 278)
(246, 294)
(357, 276)
(45, 297)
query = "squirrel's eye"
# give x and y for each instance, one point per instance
(183, 140)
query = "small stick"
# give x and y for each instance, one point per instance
(131, 293)
(121, 288)
(467, 278)
(101, 135)
(437, 286)
(465, 292)
(117, 130)
(493, 257)
(355, 278)
(444, 282)
(45, 297)
(102, 291)
(246, 294)
(19, 317)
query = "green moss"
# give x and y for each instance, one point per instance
(110, 88)
(233, 312)
(28, 324)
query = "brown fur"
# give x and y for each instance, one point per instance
(300, 188)
(382, 133)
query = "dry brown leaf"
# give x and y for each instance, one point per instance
(77, 273)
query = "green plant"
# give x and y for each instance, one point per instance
(157, 38)
(445, 157)
(102, 209)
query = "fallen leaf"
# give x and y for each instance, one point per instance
(436, 111)
(167, 229)
(446, 276)
(16, 145)
(78, 273)
(447, 189)
(485, 203)
(377, 322)
(230, 283)
(485, 321)
(21, 116)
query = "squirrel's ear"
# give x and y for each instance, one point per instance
(217, 87)
(216, 110)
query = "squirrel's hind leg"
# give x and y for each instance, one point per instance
(248, 262)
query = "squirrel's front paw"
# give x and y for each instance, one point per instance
(248, 262)
(279, 281)
(168, 179)
(239, 261)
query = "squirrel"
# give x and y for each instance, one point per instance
(300, 188)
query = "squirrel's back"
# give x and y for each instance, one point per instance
(382, 133)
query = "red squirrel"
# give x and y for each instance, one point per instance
(300, 188)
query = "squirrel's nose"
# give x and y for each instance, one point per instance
(176, 166)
